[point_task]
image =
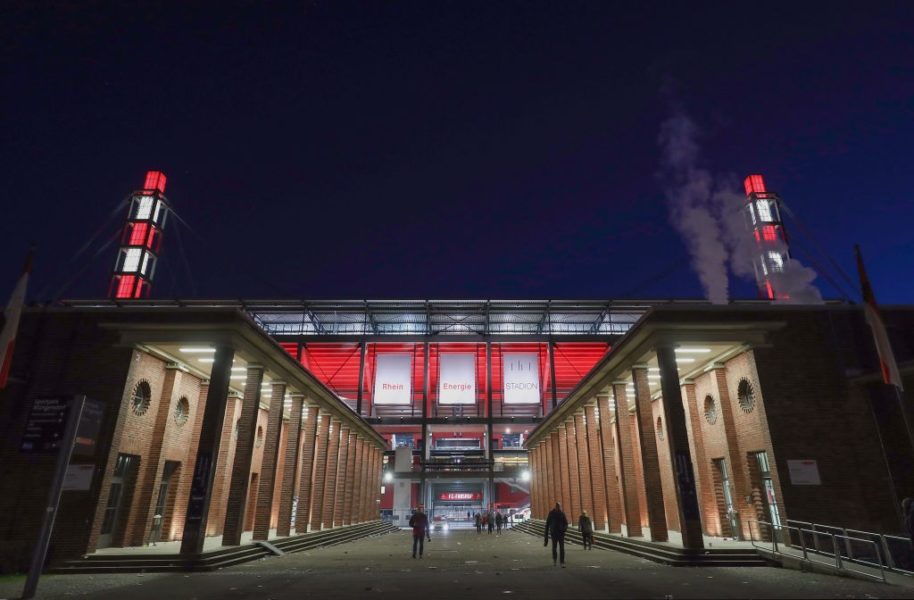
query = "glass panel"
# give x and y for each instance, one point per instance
(114, 497)
(144, 207)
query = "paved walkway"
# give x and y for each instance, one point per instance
(457, 565)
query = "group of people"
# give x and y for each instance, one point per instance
(557, 525)
(491, 521)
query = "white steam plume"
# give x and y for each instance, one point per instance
(689, 190)
(709, 215)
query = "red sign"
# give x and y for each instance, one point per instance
(459, 496)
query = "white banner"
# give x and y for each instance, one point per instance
(457, 379)
(392, 379)
(522, 378)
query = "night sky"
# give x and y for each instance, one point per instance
(446, 149)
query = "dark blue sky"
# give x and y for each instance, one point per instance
(445, 149)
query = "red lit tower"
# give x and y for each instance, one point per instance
(141, 240)
(763, 216)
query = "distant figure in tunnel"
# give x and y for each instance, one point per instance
(499, 521)
(419, 523)
(556, 524)
(585, 525)
(478, 523)
(490, 521)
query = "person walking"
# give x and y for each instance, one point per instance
(478, 523)
(585, 525)
(499, 521)
(419, 523)
(556, 524)
(490, 521)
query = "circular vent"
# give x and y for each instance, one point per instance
(710, 409)
(142, 395)
(746, 395)
(182, 411)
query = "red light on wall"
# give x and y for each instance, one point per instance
(155, 180)
(754, 184)
(769, 233)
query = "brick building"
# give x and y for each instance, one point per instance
(162, 380)
(776, 410)
(714, 422)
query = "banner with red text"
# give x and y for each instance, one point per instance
(392, 381)
(522, 377)
(457, 379)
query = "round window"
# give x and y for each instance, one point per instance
(710, 409)
(142, 395)
(182, 411)
(660, 427)
(259, 441)
(746, 395)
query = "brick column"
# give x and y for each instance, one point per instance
(376, 492)
(357, 487)
(346, 500)
(333, 453)
(736, 457)
(150, 475)
(205, 464)
(339, 501)
(320, 472)
(678, 444)
(189, 463)
(628, 489)
(310, 425)
(553, 494)
(369, 481)
(574, 479)
(363, 476)
(264, 505)
(244, 452)
(650, 460)
(292, 451)
(702, 467)
(559, 476)
(534, 478)
(592, 490)
(371, 496)
(607, 445)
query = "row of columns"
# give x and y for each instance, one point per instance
(604, 458)
(332, 469)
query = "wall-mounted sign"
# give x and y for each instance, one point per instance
(522, 378)
(804, 472)
(45, 425)
(459, 496)
(78, 478)
(457, 379)
(392, 380)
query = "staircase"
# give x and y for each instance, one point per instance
(657, 552)
(218, 559)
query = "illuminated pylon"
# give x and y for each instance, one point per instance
(141, 240)
(763, 217)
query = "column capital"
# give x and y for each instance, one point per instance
(717, 365)
(296, 396)
(686, 382)
(255, 367)
(644, 366)
(278, 382)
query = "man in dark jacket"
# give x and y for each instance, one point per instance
(556, 524)
(586, 527)
(419, 523)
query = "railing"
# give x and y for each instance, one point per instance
(845, 547)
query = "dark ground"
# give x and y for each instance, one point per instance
(459, 565)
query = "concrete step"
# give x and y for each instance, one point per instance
(668, 555)
(218, 559)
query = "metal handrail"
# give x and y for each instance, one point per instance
(840, 561)
(883, 539)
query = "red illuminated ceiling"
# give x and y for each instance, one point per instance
(337, 364)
